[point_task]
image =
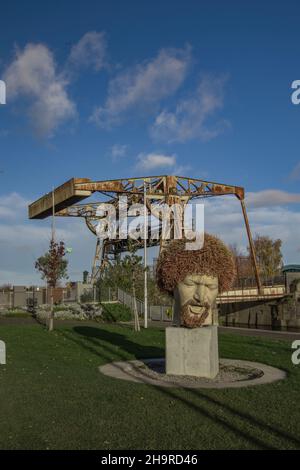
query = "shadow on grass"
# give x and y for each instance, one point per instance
(134, 349)
(102, 343)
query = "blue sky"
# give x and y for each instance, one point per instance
(114, 89)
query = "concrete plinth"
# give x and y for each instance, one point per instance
(2, 353)
(192, 351)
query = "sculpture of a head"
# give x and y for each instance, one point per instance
(194, 278)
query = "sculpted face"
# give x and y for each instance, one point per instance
(194, 300)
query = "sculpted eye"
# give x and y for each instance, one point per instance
(189, 283)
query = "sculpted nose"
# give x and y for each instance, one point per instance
(199, 295)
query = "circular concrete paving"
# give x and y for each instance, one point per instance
(233, 374)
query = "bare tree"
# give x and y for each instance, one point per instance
(243, 263)
(268, 254)
(53, 267)
(132, 264)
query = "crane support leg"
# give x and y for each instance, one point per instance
(251, 246)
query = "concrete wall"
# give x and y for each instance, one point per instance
(21, 296)
(246, 313)
(283, 312)
(6, 298)
(289, 278)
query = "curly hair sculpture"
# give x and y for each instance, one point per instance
(213, 259)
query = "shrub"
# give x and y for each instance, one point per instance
(87, 296)
(116, 312)
(112, 312)
(72, 311)
(15, 313)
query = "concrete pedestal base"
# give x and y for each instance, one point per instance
(192, 351)
(2, 353)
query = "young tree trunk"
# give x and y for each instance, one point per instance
(135, 312)
(51, 314)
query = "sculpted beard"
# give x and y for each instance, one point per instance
(193, 320)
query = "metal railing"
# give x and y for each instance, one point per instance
(155, 312)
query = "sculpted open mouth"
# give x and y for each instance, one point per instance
(194, 315)
(196, 309)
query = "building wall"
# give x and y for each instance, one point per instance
(283, 312)
(21, 296)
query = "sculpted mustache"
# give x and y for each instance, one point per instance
(194, 303)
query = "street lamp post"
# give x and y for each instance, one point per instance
(145, 260)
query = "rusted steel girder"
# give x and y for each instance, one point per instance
(252, 248)
(65, 195)
(167, 189)
(162, 186)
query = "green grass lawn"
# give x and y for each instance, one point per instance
(52, 395)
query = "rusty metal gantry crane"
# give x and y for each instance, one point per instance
(153, 190)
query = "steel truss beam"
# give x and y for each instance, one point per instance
(167, 189)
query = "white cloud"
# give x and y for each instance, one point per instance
(11, 206)
(22, 241)
(271, 197)
(143, 85)
(181, 170)
(189, 120)
(223, 216)
(33, 75)
(29, 233)
(18, 278)
(117, 151)
(89, 51)
(152, 161)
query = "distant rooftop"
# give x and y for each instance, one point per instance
(292, 268)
